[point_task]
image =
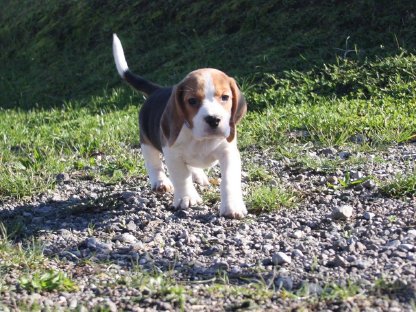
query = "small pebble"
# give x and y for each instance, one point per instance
(368, 215)
(281, 258)
(342, 213)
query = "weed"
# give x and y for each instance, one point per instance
(47, 281)
(91, 229)
(396, 288)
(347, 182)
(401, 186)
(256, 289)
(335, 292)
(157, 284)
(315, 264)
(268, 199)
(332, 292)
(392, 218)
(257, 173)
(211, 196)
(27, 257)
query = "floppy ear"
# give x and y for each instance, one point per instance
(173, 117)
(238, 109)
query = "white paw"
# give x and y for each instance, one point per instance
(234, 210)
(199, 176)
(186, 201)
(162, 186)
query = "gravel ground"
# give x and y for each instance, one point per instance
(105, 237)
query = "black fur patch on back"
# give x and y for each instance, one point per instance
(150, 115)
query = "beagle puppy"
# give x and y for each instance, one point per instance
(194, 125)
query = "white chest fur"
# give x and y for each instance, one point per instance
(197, 153)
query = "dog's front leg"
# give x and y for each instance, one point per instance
(232, 204)
(185, 194)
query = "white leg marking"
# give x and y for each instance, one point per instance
(199, 176)
(185, 194)
(158, 179)
(232, 204)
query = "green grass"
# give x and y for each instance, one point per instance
(156, 285)
(401, 186)
(50, 280)
(270, 199)
(39, 144)
(29, 266)
(252, 291)
(334, 103)
(257, 173)
(20, 257)
(392, 288)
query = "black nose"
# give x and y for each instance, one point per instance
(213, 121)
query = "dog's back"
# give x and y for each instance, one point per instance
(150, 115)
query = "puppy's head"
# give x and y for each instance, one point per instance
(208, 102)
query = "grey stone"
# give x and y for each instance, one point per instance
(342, 212)
(283, 282)
(169, 252)
(131, 226)
(44, 210)
(360, 264)
(297, 234)
(406, 247)
(37, 219)
(296, 253)
(128, 195)
(368, 215)
(111, 305)
(360, 246)
(412, 232)
(369, 184)
(338, 261)
(356, 175)
(62, 177)
(222, 266)
(280, 258)
(328, 151)
(393, 244)
(358, 138)
(344, 155)
(126, 238)
(400, 254)
(91, 242)
(332, 180)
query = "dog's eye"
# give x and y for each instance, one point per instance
(193, 101)
(225, 98)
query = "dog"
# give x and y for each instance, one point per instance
(193, 124)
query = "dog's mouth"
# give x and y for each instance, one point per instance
(209, 133)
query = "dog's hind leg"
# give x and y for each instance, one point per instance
(154, 166)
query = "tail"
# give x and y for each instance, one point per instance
(137, 82)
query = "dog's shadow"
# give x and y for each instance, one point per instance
(80, 230)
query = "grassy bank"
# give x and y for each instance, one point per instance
(55, 51)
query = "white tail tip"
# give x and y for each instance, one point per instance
(119, 57)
